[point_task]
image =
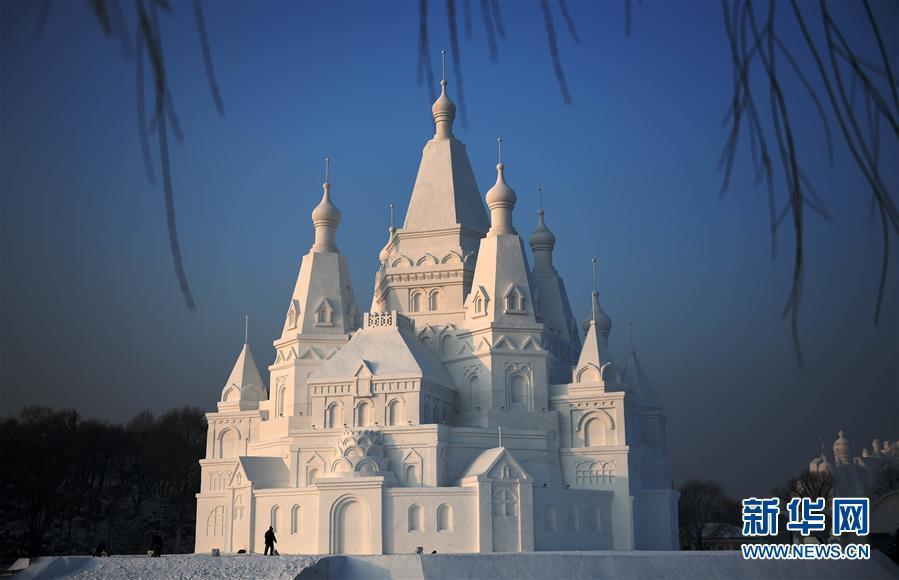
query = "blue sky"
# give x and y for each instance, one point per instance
(92, 317)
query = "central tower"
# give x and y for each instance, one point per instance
(427, 265)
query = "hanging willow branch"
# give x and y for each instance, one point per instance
(760, 44)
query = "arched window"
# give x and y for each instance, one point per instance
(324, 314)
(504, 503)
(479, 305)
(395, 412)
(594, 433)
(215, 523)
(415, 518)
(518, 387)
(228, 444)
(238, 507)
(514, 300)
(608, 472)
(444, 518)
(415, 302)
(282, 394)
(332, 416)
(411, 474)
(295, 519)
(585, 473)
(274, 521)
(552, 519)
(363, 414)
(476, 397)
(434, 301)
(311, 474)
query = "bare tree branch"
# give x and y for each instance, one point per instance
(554, 51)
(207, 58)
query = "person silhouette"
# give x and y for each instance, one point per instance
(270, 541)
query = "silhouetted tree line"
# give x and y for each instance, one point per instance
(68, 484)
(705, 514)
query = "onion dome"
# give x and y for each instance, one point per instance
(500, 195)
(325, 217)
(385, 251)
(542, 238)
(443, 108)
(500, 200)
(603, 322)
(325, 211)
(841, 451)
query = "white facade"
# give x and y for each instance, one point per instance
(461, 414)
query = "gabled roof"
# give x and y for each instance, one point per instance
(385, 351)
(483, 465)
(264, 472)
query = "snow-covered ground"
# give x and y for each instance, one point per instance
(174, 566)
(533, 565)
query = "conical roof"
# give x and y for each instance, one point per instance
(245, 377)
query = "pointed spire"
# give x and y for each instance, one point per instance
(244, 378)
(325, 217)
(443, 110)
(246, 329)
(634, 376)
(500, 200)
(500, 431)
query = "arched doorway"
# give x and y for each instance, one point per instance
(350, 527)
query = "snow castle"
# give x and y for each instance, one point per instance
(462, 413)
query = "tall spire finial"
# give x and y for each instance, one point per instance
(540, 197)
(443, 65)
(593, 297)
(246, 328)
(499, 146)
(391, 216)
(327, 169)
(500, 429)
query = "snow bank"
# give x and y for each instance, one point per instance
(534, 565)
(174, 566)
